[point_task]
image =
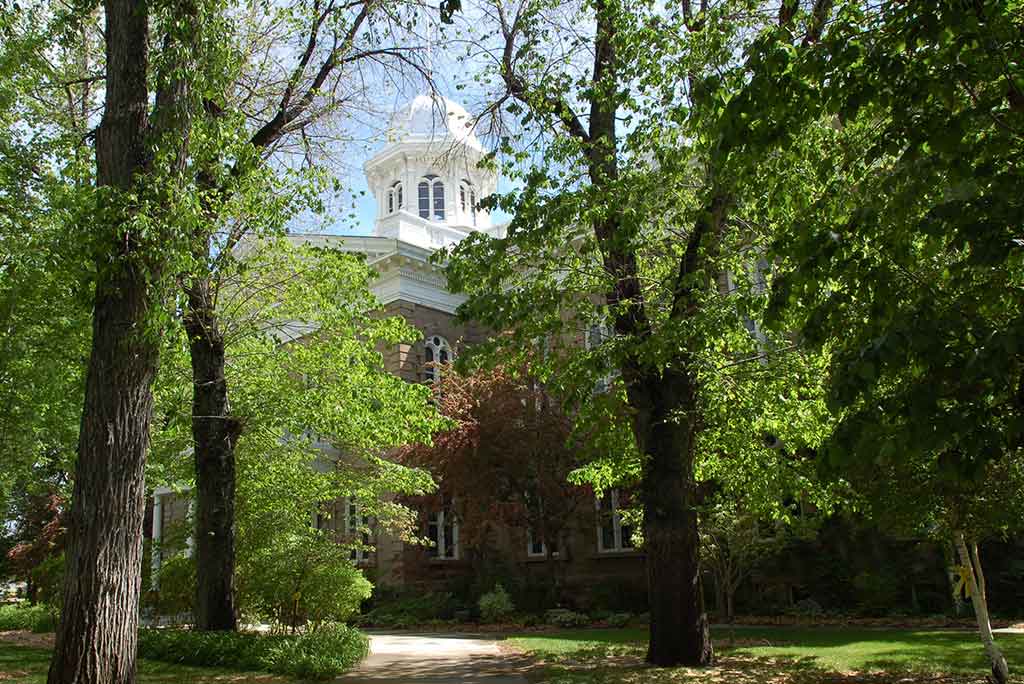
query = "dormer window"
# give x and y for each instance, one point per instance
(431, 198)
(395, 197)
(467, 198)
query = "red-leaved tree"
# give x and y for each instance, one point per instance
(505, 460)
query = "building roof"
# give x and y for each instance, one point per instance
(433, 118)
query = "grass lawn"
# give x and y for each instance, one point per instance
(798, 655)
(24, 664)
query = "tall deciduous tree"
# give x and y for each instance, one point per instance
(288, 101)
(134, 213)
(630, 203)
(894, 177)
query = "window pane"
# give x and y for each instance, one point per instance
(607, 534)
(449, 540)
(627, 536)
(462, 196)
(399, 200)
(391, 201)
(424, 191)
(438, 201)
(432, 535)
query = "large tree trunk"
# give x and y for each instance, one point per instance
(96, 638)
(215, 433)
(665, 428)
(1000, 670)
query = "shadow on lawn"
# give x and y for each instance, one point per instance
(622, 664)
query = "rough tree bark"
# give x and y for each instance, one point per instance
(679, 625)
(972, 564)
(96, 638)
(214, 432)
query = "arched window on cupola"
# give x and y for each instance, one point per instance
(467, 198)
(395, 197)
(431, 198)
(437, 353)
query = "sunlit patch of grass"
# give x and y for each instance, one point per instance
(797, 655)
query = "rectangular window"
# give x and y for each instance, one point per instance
(357, 527)
(613, 534)
(537, 547)
(443, 532)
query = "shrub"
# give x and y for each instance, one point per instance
(319, 654)
(496, 605)
(806, 608)
(37, 618)
(302, 580)
(406, 610)
(48, 577)
(562, 617)
(619, 620)
(175, 591)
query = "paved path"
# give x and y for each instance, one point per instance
(437, 659)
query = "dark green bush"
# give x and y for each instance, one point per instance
(496, 605)
(302, 580)
(406, 610)
(37, 618)
(173, 595)
(320, 654)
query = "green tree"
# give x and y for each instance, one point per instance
(302, 94)
(893, 175)
(630, 244)
(303, 337)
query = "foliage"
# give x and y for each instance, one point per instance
(176, 581)
(301, 580)
(619, 620)
(505, 456)
(909, 274)
(23, 616)
(319, 654)
(408, 609)
(565, 618)
(496, 605)
(734, 541)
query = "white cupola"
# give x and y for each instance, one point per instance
(426, 180)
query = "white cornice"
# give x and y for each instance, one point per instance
(405, 272)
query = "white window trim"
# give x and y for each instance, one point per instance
(616, 520)
(543, 547)
(432, 182)
(433, 373)
(441, 540)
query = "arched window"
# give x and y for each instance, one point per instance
(467, 199)
(431, 198)
(436, 354)
(395, 197)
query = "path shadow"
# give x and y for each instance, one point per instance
(489, 669)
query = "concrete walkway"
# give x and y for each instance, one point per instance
(437, 659)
